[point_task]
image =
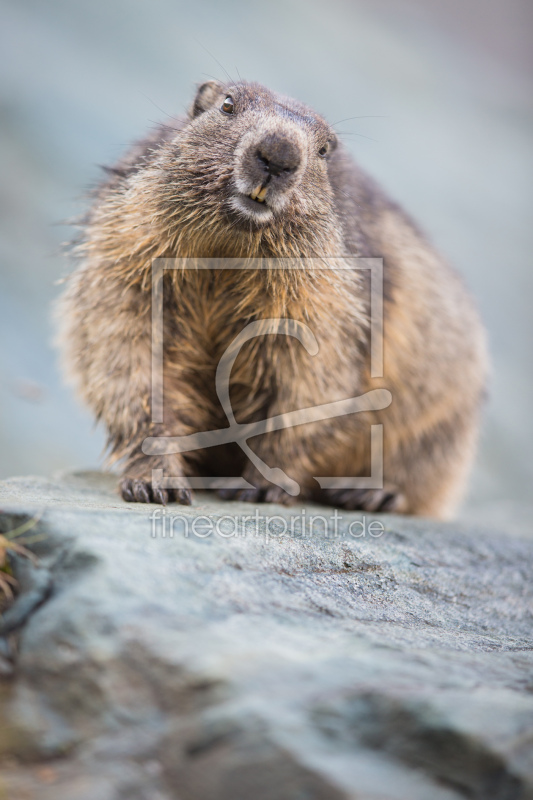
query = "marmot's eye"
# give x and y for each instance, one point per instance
(228, 106)
(324, 150)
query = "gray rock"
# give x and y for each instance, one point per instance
(249, 661)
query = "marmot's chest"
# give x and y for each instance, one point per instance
(285, 333)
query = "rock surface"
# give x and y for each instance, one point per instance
(249, 662)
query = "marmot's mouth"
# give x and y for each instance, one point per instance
(259, 193)
(253, 205)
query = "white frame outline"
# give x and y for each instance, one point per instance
(159, 265)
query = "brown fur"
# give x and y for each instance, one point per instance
(172, 196)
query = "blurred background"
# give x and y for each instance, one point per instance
(444, 90)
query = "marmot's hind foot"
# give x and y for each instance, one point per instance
(387, 500)
(135, 490)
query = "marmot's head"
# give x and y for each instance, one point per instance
(253, 156)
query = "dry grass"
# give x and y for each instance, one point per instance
(8, 544)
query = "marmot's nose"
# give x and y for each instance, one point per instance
(278, 154)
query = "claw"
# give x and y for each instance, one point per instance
(160, 496)
(184, 497)
(257, 494)
(391, 502)
(126, 490)
(250, 495)
(226, 494)
(372, 500)
(141, 492)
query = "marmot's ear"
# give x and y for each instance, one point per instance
(205, 97)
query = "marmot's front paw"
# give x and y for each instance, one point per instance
(387, 499)
(136, 490)
(257, 494)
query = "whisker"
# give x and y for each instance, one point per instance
(154, 104)
(156, 124)
(217, 61)
(214, 78)
(366, 116)
(353, 133)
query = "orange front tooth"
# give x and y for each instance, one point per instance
(262, 194)
(255, 192)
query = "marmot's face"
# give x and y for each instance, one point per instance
(257, 155)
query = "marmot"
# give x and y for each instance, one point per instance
(251, 174)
